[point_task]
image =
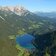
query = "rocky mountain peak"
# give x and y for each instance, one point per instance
(19, 10)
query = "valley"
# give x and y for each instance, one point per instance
(19, 21)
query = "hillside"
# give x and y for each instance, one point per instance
(10, 22)
(17, 21)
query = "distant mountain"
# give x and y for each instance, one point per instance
(46, 14)
(13, 19)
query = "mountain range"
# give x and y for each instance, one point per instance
(17, 18)
(46, 14)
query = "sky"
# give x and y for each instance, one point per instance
(32, 5)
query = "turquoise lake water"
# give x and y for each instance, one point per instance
(25, 41)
